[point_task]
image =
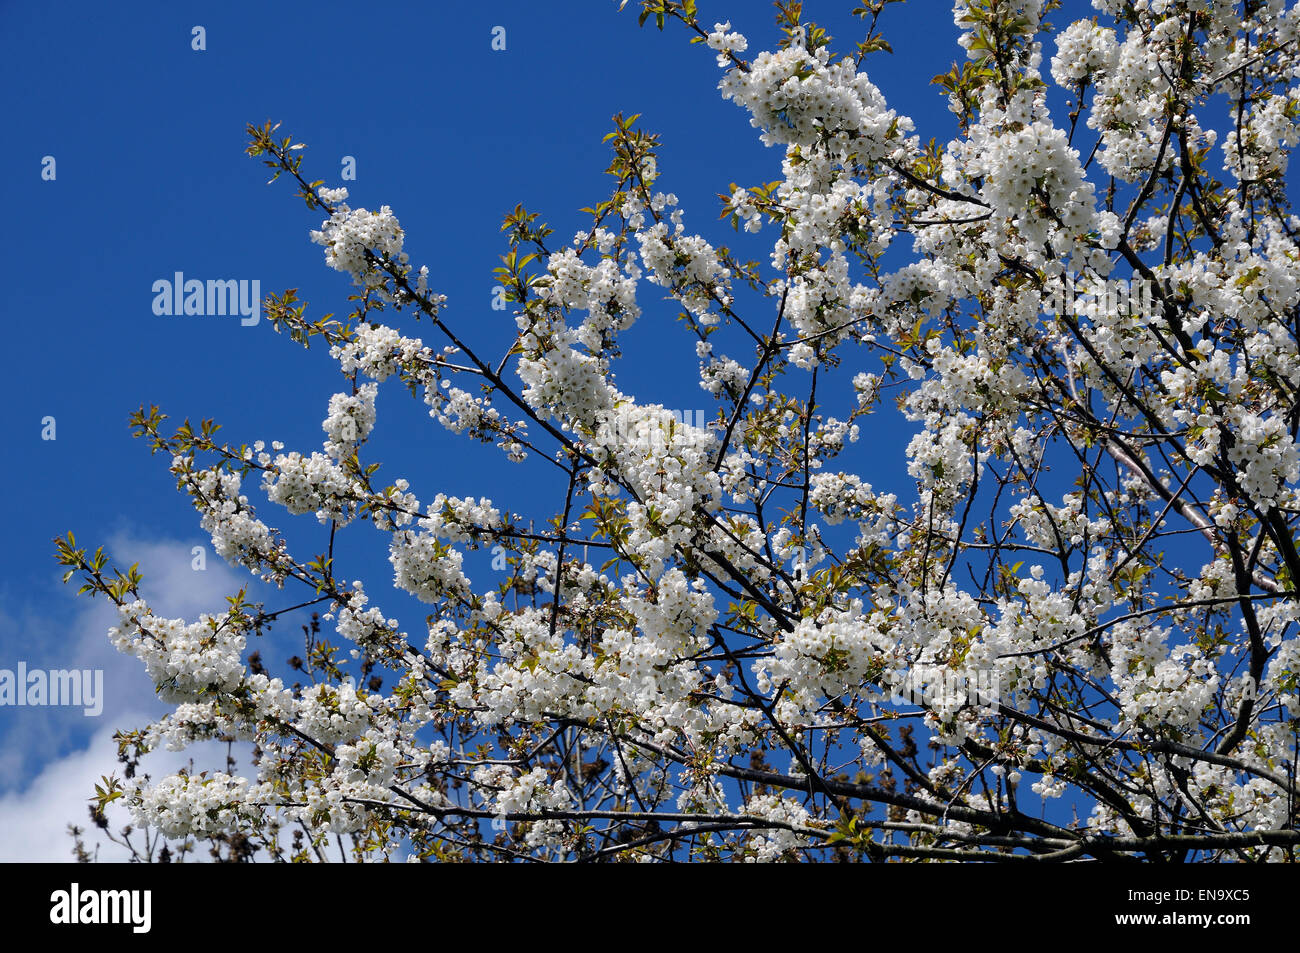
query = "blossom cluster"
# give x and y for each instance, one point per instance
(1092, 521)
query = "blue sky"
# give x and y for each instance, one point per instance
(148, 136)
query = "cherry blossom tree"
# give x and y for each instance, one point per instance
(1068, 633)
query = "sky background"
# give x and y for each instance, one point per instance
(148, 137)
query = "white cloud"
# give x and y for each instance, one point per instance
(79, 640)
(34, 822)
(50, 758)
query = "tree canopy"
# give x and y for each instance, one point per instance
(1069, 633)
